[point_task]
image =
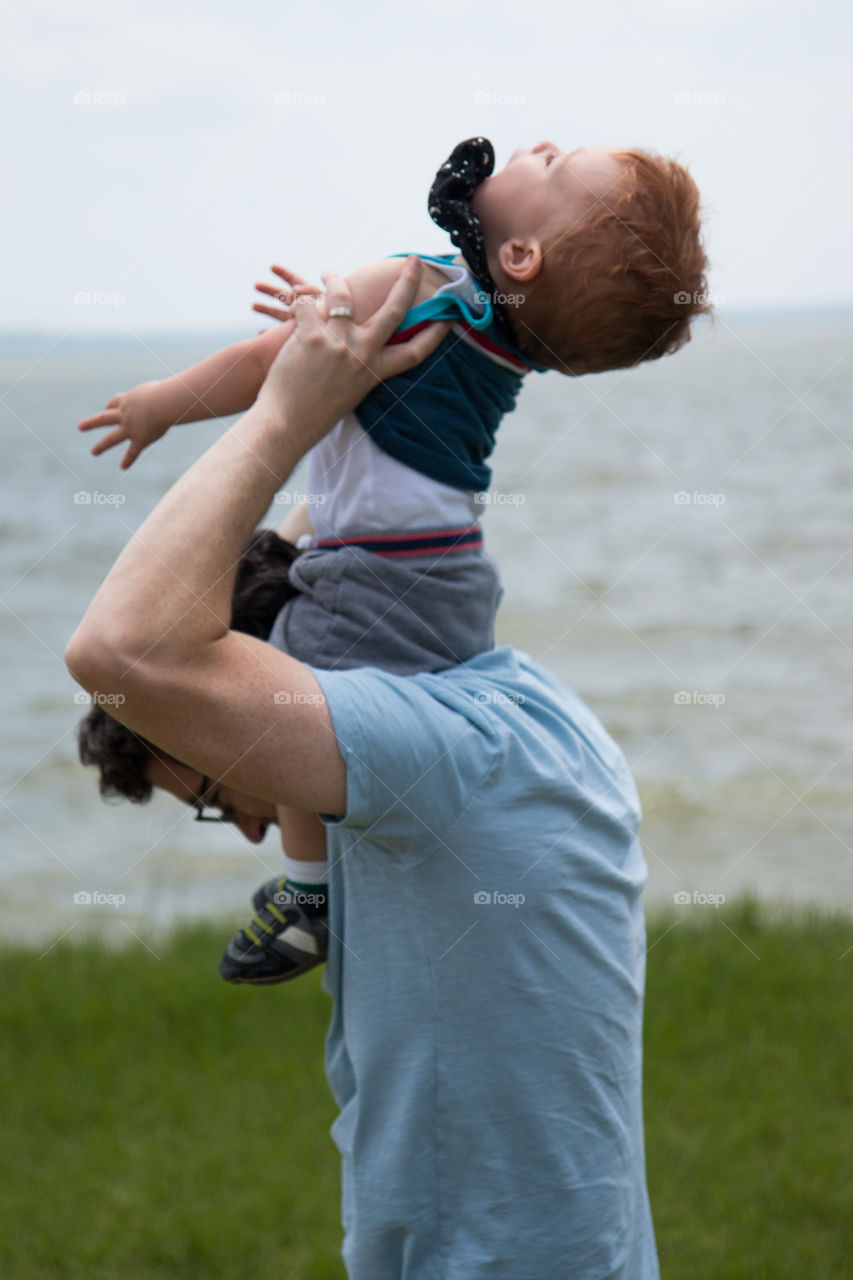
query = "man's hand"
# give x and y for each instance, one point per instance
(136, 415)
(330, 364)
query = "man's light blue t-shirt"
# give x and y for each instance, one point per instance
(487, 963)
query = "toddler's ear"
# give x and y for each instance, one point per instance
(520, 259)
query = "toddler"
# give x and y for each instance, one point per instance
(577, 261)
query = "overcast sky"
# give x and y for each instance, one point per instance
(157, 156)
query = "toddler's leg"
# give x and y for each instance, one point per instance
(288, 933)
(303, 839)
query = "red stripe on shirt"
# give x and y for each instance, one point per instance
(474, 334)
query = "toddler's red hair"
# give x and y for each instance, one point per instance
(623, 284)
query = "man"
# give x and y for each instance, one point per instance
(487, 948)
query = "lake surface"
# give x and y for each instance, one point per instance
(675, 543)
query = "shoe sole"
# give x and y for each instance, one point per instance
(273, 979)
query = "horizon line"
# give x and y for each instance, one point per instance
(791, 310)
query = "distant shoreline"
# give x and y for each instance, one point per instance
(787, 314)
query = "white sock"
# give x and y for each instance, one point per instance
(306, 873)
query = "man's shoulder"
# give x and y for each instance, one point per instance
(502, 664)
(510, 668)
(369, 705)
(438, 737)
(544, 727)
(484, 690)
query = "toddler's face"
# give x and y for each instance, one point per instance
(543, 188)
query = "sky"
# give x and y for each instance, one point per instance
(157, 157)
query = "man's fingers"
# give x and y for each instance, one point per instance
(388, 318)
(373, 336)
(406, 355)
(338, 296)
(305, 313)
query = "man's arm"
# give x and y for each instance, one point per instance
(156, 634)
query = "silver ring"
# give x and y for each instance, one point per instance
(340, 312)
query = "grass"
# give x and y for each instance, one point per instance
(159, 1124)
(748, 1086)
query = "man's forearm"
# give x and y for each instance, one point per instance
(170, 589)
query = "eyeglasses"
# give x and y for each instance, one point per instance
(200, 815)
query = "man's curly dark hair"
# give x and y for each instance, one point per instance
(261, 588)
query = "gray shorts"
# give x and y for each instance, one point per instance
(418, 613)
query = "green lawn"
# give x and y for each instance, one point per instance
(749, 1085)
(159, 1124)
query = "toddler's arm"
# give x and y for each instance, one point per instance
(225, 383)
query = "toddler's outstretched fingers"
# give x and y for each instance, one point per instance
(105, 419)
(276, 313)
(108, 442)
(293, 290)
(272, 290)
(292, 278)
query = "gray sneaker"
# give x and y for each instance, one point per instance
(287, 937)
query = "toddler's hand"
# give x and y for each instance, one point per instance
(295, 288)
(136, 416)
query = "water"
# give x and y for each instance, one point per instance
(675, 545)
